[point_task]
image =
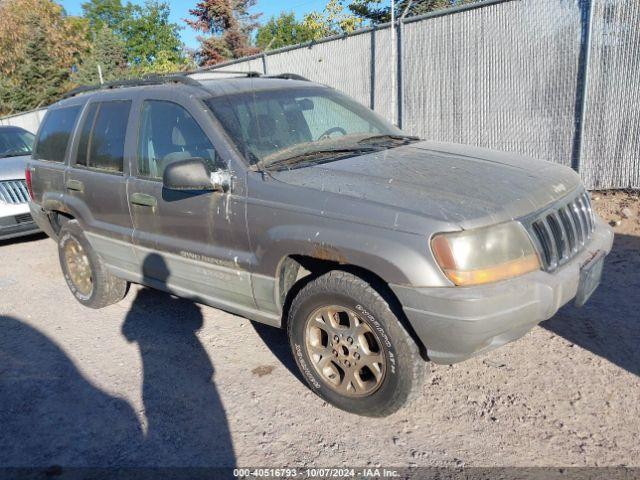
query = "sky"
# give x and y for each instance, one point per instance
(180, 11)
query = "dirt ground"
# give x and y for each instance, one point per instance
(157, 380)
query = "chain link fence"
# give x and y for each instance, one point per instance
(553, 79)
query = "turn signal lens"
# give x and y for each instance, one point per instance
(485, 255)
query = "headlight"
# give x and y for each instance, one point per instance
(484, 255)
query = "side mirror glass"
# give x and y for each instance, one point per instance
(189, 174)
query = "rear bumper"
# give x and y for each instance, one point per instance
(41, 218)
(15, 221)
(457, 323)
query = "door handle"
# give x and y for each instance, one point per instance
(75, 185)
(144, 200)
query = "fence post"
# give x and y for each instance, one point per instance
(582, 84)
(400, 78)
(372, 86)
(264, 64)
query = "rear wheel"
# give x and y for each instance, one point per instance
(351, 348)
(85, 272)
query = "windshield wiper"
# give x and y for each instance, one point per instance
(387, 137)
(315, 157)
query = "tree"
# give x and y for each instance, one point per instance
(228, 24)
(21, 19)
(109, 52)
(36, 81)
(40, 44)
(331, 21)
(104, 13)
(145, 29)
(163, 64)
(147, 32)
(282, 31)
(373, 11)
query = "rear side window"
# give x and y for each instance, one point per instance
(102, 137)
(55, 133)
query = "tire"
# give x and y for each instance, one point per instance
(103, 288)
(397, 369)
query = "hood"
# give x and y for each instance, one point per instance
(458, 184)
(12, 168)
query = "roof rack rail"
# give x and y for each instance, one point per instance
(137, 82)
(289, 76)
(251, 73)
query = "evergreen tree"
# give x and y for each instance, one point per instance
(375, 12)
(38, 79)
(39, 45)
(108, 51)
(228, 24)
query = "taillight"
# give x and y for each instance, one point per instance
(27, 176)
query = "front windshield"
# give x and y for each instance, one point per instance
(275, 126)
(15, 142)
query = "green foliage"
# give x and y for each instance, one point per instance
(104, 13)
(283, 31)
(108, 51)
(36, 81)
(40, 44)
(163, 64)
(41, 47)
(148, 32)
(331, 21)
(374, 12)
(145, 29)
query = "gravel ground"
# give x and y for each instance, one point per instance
(157, 380)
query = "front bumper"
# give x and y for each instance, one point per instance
(16, 221)
(457, 323)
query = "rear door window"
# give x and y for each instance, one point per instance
(55, 133)
(102, 138)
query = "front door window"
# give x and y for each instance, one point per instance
(169, 133)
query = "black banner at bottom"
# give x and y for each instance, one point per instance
(399, 473)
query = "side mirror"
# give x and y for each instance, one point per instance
(189, 174)
(306, 104)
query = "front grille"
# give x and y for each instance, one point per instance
(14, 191)
(562, 232)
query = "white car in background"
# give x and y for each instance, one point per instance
(15, 150)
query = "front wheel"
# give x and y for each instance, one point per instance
(351, 348)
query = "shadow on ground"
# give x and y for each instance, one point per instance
(609, 324)
(51, 415)
(46, 406)
(26, 239)
(277, 341)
